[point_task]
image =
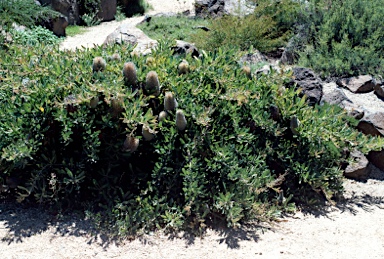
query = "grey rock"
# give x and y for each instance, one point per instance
(337, 96)
(253, 58)
(359, 169)
(128, 34)
(183, 48)
(372, 124)
(309, 83)
(358, 84)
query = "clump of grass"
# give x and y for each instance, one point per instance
(73, 30)
(170, 28)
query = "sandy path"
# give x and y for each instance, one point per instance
(97, 34)
(353, 229)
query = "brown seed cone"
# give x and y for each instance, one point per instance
(130, 73)
(117, 104)
(183, 67)
(99, 64)
(152, 85)
(162, 115)
(170, 102)
(148, 134)
(247, 71)
(116, 56)
(181, 122)
(131, 144)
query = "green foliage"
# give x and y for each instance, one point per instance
(266, 29)
(172, 28)
(69, 135)
(345, 37)
(35, 37)
(24, 12)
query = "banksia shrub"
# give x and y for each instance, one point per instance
(99, 64)
(183, 67)
(152, 85)
(170, 102)
(130, 74)
(181, 121)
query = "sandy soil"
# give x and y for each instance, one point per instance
(352, 229)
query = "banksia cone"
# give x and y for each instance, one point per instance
(99, 64)
(162, 115)
(181, 122)
(117, 104)
(170, 102)
(148, 134)
(183, 67)
(130, 74)
(131, 144)
(116, 56)
(294, 124)
(152, 83)
(93, 102)
(247, 71)
(150, 61)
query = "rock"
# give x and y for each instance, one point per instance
(57, 25)
(337, 96)
(238, 7)
(107, 10)
(377, 159)
(359, 169)
(379, 88)
(309, 82)
(68, 8)
(372, 124)
(252, 58)
(129, 34)
(209, 8)
(183, 47)
(132, 7)
(358, 84)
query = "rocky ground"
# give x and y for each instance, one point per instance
(351, 229)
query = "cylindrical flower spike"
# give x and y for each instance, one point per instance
(183, 67)
(148, 134)
(247, 71)
(162, 115)
(131, 144)
(181, 122)
(99, 64)
(152, 85)
(170, 102)
(130, 73)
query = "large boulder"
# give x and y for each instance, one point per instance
(129, 34)
(107, 10)
(309, 83)
(69, 8)
(377, 159)
(358, 84)
(183, 48)
(132, 7)
(57, 25)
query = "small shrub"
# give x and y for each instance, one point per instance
(344, 38)
(35, 36)
(76, 137)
